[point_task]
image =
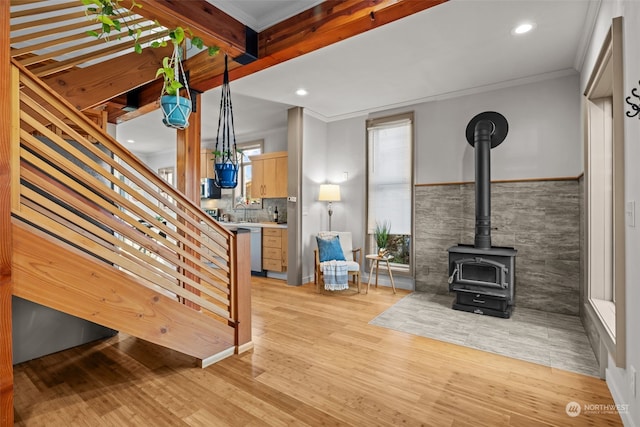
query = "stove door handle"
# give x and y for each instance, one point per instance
(455, 271)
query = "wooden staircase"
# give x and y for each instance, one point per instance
(96, 233)
(99, 235)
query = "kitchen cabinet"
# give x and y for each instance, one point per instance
(274, 249)
(269, 175)
(206, 164)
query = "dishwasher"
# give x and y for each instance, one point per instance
(256, 249)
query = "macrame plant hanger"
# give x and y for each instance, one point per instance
(176, 108)
(226, 154)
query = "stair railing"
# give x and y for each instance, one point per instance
(74, 181)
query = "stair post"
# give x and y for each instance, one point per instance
(188, 170)
(8, 88)
(241, 289)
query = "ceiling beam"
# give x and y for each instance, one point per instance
(94, 85)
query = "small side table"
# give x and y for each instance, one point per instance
(375, 260)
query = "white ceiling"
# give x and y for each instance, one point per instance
(261, 14)
(459, 47)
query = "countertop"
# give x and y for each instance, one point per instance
(252, 224)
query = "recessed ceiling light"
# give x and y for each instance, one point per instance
(131, 141)
(301, 92)
(523, 28)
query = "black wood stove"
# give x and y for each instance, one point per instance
(483, 276)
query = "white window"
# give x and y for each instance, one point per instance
(605, 202)
(243, 192)
(167, 174)
(390, 185)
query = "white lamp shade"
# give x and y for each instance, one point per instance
(329, 193)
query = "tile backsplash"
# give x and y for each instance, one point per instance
(253, 214)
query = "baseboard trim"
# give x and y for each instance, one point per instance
(244, 347)
(627, 420)
(204, 363)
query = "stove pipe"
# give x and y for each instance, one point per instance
(484, 132)
(482, 138)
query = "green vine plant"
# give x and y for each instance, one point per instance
(225, 156)
(113, 16)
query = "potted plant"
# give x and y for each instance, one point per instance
(381, 234)
(226, 169)
(176, 108)
(112, 17)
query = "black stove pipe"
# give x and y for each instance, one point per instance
(484, 132)
(482, 138)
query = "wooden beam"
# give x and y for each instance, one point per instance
(6, 242)
(188, 171)
(188, 152)
(94, 85)
(212, 25)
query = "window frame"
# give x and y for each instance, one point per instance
(606, 81)
(370, 244)
(246, 162)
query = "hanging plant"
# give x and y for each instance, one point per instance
(226, 153)
(176, 108)
(115, 20)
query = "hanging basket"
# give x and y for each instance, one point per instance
(176, 111)
(226, 175)
(175, 108)
(226, 166)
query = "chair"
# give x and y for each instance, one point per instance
(352, 256)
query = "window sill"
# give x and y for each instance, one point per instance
(606, 312)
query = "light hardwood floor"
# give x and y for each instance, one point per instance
(316, 361)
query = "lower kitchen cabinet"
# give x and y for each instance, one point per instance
(274, 249)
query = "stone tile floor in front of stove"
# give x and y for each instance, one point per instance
(550, 339)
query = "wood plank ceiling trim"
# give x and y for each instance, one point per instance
(320, 26)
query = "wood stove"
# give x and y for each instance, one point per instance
(481, 275)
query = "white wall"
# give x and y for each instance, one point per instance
(162, 159)
(314, 165)
(274, 140)
(346, 164)
(332, 153)
(617, 378)
(543, 139)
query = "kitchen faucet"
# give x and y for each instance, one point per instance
(244, 207)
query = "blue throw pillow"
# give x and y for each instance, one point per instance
(330, 249)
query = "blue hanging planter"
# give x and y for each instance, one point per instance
(176, 111)
(226, 175)
(226, 166)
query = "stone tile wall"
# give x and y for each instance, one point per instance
(541, 219)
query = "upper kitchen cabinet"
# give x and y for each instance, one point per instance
(269, 175)
(206, 164)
